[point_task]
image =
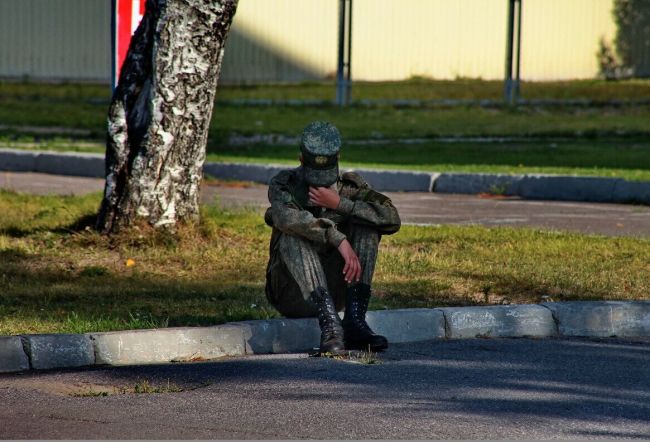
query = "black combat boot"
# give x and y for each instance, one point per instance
(331, 337)
(358, 335)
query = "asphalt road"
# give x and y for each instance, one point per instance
(468, 389)
(414, 207)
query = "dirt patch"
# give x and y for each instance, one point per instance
(58, 387)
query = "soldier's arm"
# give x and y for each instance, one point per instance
(287, 216)
(367, 206)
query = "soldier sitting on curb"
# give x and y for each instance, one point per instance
(326, 232)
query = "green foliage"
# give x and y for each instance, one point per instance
(632, 41)
(608, 65)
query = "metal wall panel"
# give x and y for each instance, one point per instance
(429, 38)
(55, 39)
(296, 40)
(560, 37)
(282, 40)
(446, 39)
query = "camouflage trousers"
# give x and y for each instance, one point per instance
(297, 267)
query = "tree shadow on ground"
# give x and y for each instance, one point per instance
(99, 293)
(91, 297)
(563, 385)
(81, 224)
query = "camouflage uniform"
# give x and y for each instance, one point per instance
(303, 250)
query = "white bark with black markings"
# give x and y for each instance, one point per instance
(160, 114)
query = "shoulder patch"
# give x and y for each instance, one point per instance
(354, 178)
(283, 177)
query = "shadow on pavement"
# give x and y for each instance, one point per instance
(558, 379)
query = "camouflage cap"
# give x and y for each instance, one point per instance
(319, 146)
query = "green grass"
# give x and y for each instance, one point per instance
(355, 123)
(416, 89)
(85, 107)
(461, 89)
(57, 276)
(627, 159)
(621, 159)
(389, 122)
(608, 140)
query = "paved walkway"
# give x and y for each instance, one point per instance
(415, 207)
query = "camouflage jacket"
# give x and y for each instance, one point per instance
(290, 212)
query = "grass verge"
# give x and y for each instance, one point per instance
(414, 89)
(355, 122)
(58, 276)
(625, 159)
(613, 159)
(85, 107)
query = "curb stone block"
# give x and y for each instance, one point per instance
(568, 188)
(12, 355)
(472, 183)
(281, 335)
(168, 345)
(76, 164)
(243, 172)
(59, 351)
(14, 160)
(602, 319)
(627, 191)
(533, 186)
(407, 325)
(397, 181)
(379, 180)
(499, 321)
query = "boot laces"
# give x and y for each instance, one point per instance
(358, 308)
(327, 318)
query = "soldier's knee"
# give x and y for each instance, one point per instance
(364, 233)
(290, 244)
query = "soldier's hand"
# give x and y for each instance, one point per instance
(324, 197)
(352, 268)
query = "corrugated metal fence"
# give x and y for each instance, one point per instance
(55, 39)
(294, 40)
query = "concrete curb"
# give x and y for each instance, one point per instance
(507, 321)
(12, 355)
(59, 163)
(384, 180)
(58, 351)
(601, 319)
(188, 344)
(532, 186)
(546, 187)
(179, 344)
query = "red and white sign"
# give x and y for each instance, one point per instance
(127, 16)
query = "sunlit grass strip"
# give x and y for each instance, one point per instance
(416, 88)
(57, 276)
(611, 159)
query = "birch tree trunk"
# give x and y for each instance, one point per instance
(160, 113)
